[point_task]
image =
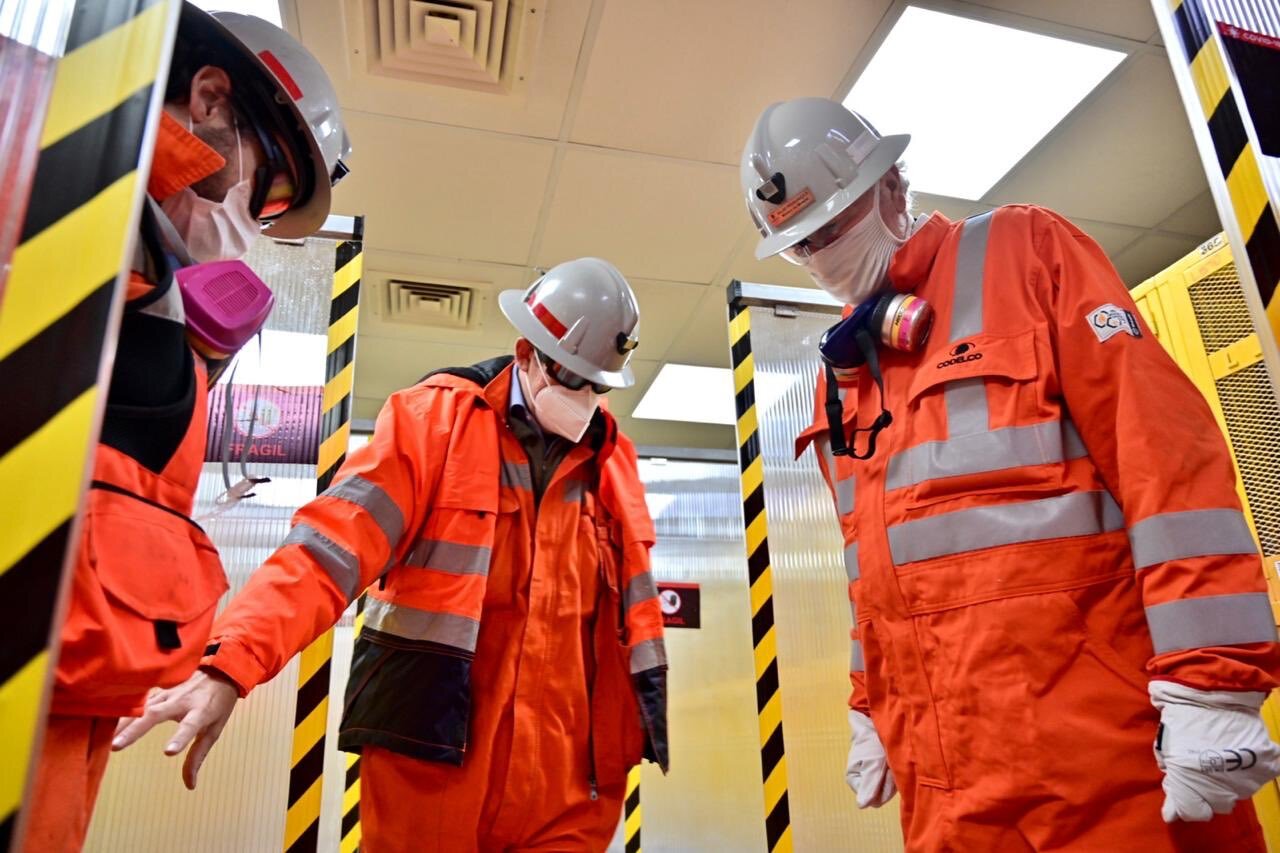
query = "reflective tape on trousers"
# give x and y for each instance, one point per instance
(997, 450)
(856, 663)
(1076, 514)
(647, 655)
(1213, 620)
(374, 500)
(1193, 533)
(451, 557)
(342, 566)
(448, 629)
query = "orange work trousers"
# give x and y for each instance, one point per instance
(72, 763)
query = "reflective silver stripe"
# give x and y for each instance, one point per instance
(425, 625)
(1194, 533)
(966, 401)
(641, 588)
(647, 655)
(1214, 620)
(574, 490)
(856, 663)
(515, 475)
(452, 557)
(824, 447)
(971, 256)
(372, 499)
(851, 561)
(844, 496)
(1076, 514)
(343, 566)
(1011, 447)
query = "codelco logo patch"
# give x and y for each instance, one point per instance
(961, 353)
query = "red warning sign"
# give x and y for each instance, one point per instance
(681, 605)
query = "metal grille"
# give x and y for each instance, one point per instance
(1253, 422)
(1221, 312)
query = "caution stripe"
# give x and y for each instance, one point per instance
(1254, 213)
(310, 716)
(773, 764)
(351, 795)
(54, 329)
(631, 814)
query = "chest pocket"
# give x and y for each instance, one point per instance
(1002, 433)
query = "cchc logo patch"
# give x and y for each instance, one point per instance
(1109, 320)
(961, 353)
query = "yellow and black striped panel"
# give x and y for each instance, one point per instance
(56, 324)
(768, 698)
(1237, 159)
(311, 714)
(351, 794)
(631, 814)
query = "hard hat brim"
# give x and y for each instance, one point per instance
(881, 159)
(518, 314)
(306, 218)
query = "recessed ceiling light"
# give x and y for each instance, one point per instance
(268, 10)
(703, 395)
(974, 96)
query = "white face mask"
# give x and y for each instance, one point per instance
(854, 267)
(212, 230)
(558, 409)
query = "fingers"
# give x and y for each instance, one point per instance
(129, 730)
(198, 752)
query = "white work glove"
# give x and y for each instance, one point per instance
(1213, 748)
(867, 772)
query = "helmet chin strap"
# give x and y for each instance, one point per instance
(840, 445)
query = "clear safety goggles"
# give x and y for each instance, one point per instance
(569, 379)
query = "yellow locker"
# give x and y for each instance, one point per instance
(1197, 311)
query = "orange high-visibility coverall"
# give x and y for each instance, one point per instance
(511, 667)
(146, 577)
(1049, 522)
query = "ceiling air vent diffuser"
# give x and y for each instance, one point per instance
(486, 45)
(427, 303)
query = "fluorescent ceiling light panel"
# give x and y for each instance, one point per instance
(703, 395)
(268, 10)
(975, 97)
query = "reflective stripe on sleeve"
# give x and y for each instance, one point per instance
(1194, 533)
(342, 566)
(1212, 620)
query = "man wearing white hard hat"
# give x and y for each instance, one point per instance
(1048, 566)
(511, 668)
(250, 137)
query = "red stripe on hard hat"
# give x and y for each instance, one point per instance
(278, 69)
(547, 319)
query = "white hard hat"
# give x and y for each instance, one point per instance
(583, 316)
(279, 81)
(805, 162)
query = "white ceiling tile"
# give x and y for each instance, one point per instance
(704, 332)
(1127, 156)
(952, 208)
(651, 217)
(444, 191)
(1131, 19)
(1150, 255)
(1111, 237)
(1198, 218)
(689, 79)
(335, 31)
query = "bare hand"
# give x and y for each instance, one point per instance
(201, 706)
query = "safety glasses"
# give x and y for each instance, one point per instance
(275, 188)
(801, 252)
(569, 379)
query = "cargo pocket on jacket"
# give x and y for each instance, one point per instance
(975, 459)
(407, 696)
(159, 579)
